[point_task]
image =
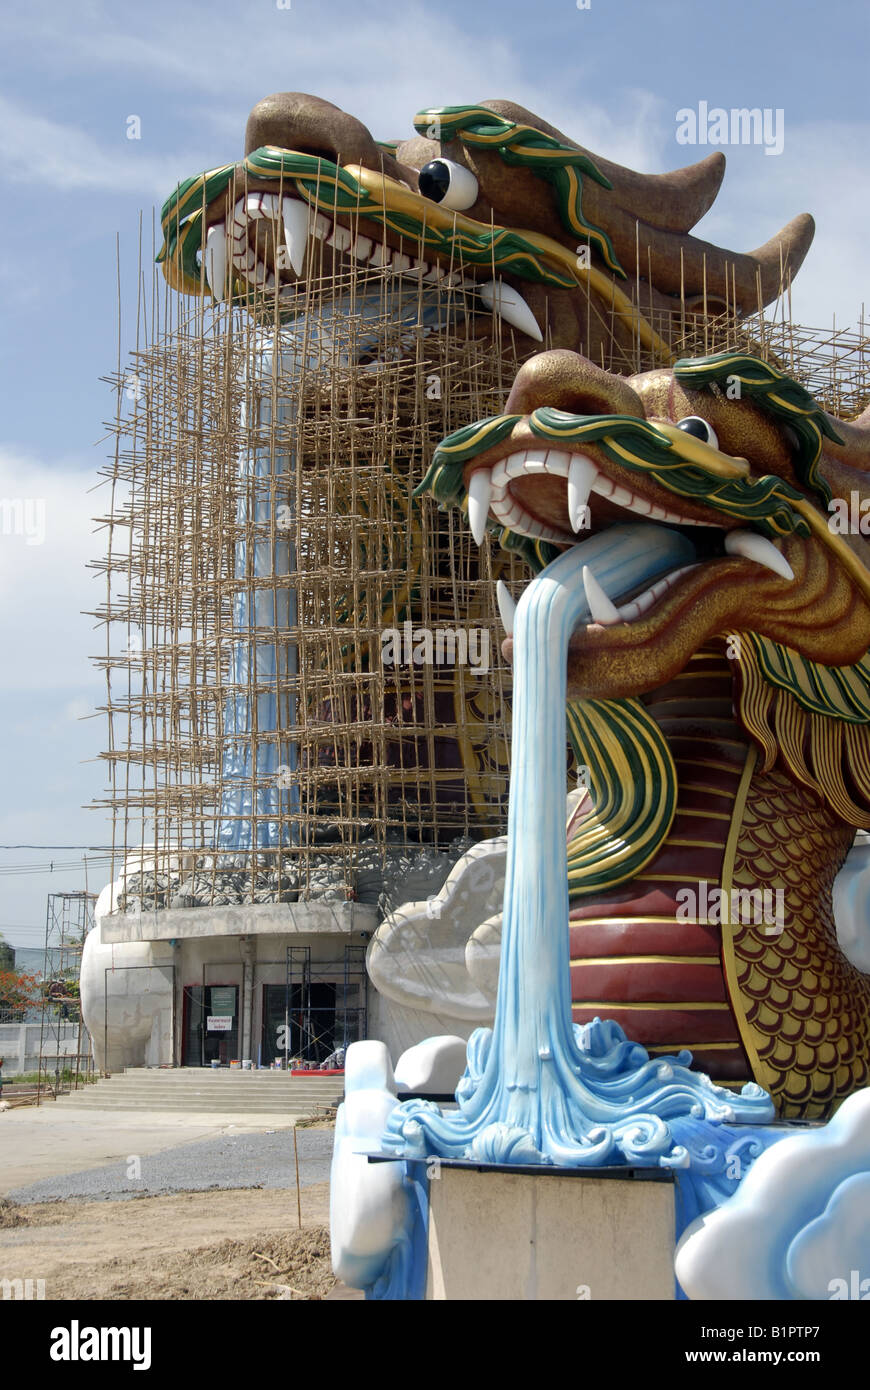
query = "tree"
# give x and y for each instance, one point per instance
(18, 993)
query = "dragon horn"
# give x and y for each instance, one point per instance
(673, 202)
(778, 258)
(673, 261)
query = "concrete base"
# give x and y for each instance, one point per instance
(557, 1234)
(251, 919)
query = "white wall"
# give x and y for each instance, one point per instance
(19, 1045)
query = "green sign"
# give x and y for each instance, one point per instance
(223, 1000)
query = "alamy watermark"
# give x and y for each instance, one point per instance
(22, 1290)
(854, 1288)
(77, 1343)
(23, 516)
(849, 516)
(743, 125)
(445, 646)
(751, 907)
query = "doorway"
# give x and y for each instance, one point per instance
(299, 1021)
(211, 1025)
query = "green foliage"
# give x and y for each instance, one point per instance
(18, 993)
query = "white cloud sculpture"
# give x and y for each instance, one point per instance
(798, 1226)
(370, 1204)
(441, 955)
(852, 905)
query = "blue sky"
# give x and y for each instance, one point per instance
(612, 76)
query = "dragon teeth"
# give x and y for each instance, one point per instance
(215, 260)
(507, 606)
(752, 546)
(602, 609)
(479, 497)
(582, 475)
(341, 238)
(508, 304)
(295, 217)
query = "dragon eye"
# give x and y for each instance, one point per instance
(694, 425)
(452, 185)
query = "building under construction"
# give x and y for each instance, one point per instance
(282, 766)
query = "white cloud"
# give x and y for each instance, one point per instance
(34, 149)
(45, 542)
(204, 65)
(632, 133)
(429, 55)
(309, 47)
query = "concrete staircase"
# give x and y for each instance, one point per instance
(198, 1089)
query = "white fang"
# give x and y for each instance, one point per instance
(507, 606)
(505, 301)
(479, 495)
(600, 606)
(215, 260)
(752, 546)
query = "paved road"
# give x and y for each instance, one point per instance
(57, 1140)
(224, 1161)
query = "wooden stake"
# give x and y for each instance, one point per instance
(298, 1195)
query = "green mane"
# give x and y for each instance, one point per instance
(561, 165)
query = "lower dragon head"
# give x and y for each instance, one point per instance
(710, 500)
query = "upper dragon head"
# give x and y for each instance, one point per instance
(565, 247)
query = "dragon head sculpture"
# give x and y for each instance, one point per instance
(490, 200)
(719, 696)
(724, 460)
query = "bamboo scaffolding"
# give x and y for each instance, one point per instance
(385, 759)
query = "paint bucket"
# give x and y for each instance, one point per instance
(215, 1064)
(246, 1066)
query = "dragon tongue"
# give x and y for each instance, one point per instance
(611, 564)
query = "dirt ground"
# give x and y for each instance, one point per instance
(166, 1247)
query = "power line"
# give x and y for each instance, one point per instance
(57, 866)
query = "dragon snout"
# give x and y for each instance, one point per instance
(566, 381)
(310, 125)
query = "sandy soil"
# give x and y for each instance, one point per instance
(242, 1244)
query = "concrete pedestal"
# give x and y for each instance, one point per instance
(543, 1234)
